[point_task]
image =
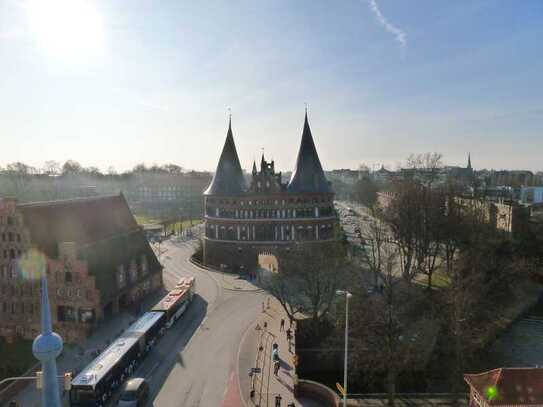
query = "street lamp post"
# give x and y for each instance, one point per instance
(347, 295)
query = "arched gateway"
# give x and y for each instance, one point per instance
(268, 216)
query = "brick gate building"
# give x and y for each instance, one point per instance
(267, 216)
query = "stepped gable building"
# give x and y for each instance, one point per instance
(97, 261)
(266, 217)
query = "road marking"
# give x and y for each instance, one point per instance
(150, 374)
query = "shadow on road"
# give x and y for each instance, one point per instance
(167, 353)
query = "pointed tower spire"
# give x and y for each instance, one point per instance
(228, 178)
(254, 167)
(308, 176)
(469, 161)
(262, 162)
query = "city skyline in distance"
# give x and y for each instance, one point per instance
(382, 80)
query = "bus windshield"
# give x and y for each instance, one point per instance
(79, 395)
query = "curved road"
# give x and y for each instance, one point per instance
(194, 361)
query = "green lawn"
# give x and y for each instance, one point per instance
(439, 280)
(15, 358)
(142, 219)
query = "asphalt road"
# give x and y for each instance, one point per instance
(193, 362)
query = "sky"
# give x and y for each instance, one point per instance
(116, 82)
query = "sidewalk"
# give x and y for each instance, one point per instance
(256, 352)
(74, 358)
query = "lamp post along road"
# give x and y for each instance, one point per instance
(347, 295)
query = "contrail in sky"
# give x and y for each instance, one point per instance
(399, 35)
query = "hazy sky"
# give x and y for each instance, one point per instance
(119, 82)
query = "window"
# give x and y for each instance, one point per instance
(65, 313)
(121, 276)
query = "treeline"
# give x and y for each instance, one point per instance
(72, 167)
(435, 284)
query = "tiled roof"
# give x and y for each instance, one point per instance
(514, 386)
(103, 229)
(228, 178)
(81, 220)
(308, 175)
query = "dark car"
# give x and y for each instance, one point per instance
(134, 393)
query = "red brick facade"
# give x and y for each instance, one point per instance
(82, 285)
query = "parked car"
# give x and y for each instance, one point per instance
(134, 393)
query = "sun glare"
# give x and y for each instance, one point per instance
(67, 29)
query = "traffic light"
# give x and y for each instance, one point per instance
(39, 379)
(67, 381)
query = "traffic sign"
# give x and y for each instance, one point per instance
(340, 389)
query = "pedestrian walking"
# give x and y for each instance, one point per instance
(276, 367)
(275, 355)
(289, 334)
(278, 400)
(263, 307)
(265, 325)
(282, 327)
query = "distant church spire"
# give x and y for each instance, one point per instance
(262, 162)
(254, 167)
(469, 161)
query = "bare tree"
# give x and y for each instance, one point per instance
(71, 167)
(385, 332)
(307, 281)
(425, 167)
(51, 167)
(402, 217)
(375, 238)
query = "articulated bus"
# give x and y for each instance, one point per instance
(95, 384)
(175, 303)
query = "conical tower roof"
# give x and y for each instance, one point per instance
(228, 178)
(308, 175)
